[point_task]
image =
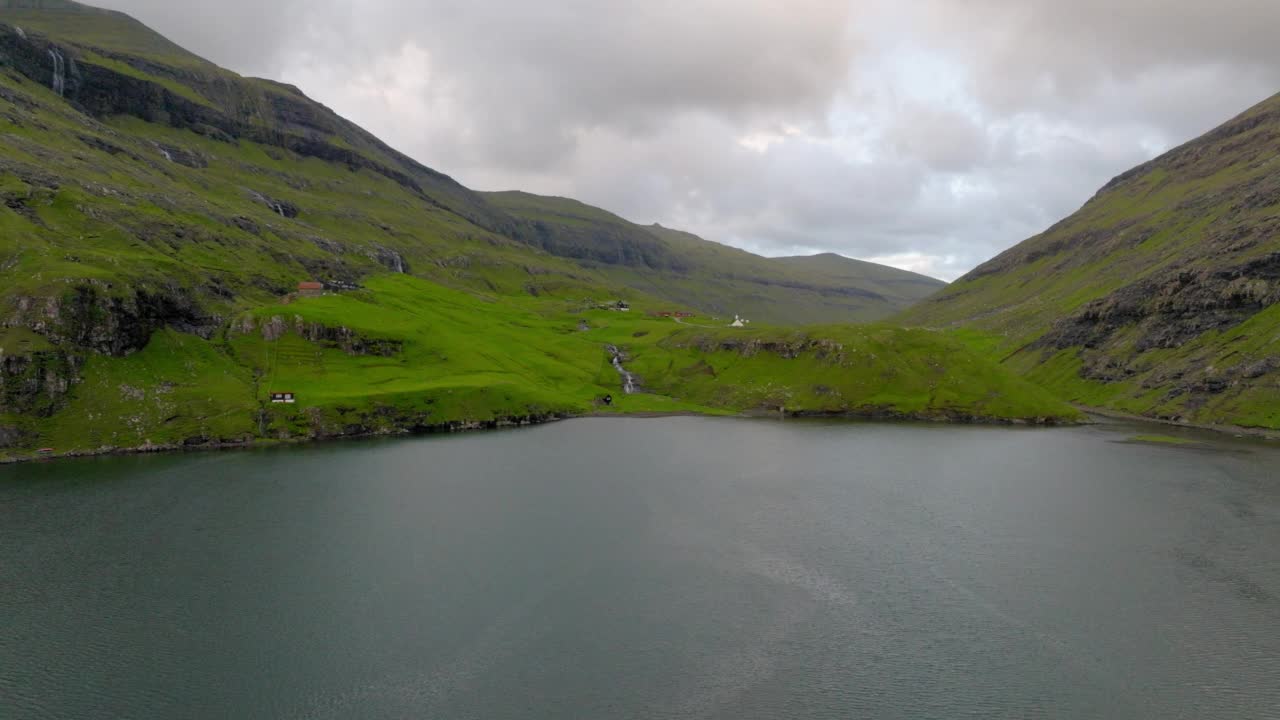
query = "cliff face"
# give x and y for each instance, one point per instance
(218, 104)
(83, 320)
(1160, 295)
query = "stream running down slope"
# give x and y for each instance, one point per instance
(630, 385)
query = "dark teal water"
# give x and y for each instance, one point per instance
(668, 568)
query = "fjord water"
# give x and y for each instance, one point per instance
(659, 568)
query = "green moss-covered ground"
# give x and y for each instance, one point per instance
(461, 358)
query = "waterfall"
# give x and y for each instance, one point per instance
(59, 72)
(629, 384)
(21, 33)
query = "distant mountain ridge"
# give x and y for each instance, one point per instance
(714, 277)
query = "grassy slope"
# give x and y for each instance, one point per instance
(118, 42)
(1158, 296)
(901, 286)
(97, 28)
(724, 281)
(472, 358)
(486, 326)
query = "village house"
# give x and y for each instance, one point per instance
(310, 289)
(286, 398)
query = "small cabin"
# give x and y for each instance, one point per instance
(623, 306)
(283, 398)
(310, 289)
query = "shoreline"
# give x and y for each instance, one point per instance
(465, 426)
(461, 426)
(1233, 430)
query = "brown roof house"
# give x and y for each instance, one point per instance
(310, 289)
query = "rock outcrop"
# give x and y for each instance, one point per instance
(337, 338)
(37, 383)
(90, 317)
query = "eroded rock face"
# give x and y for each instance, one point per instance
(1115, 334)
(11, 437)
(283, 208)
(37, 383)
(87, 317)
(1174, 307)
(182, 156)
(826, 350)
(296, 124)
(390, 259)
(339, 338)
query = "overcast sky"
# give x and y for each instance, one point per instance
(925, 134)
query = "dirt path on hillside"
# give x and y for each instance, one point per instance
(708, 327)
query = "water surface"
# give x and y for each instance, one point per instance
(662, 568)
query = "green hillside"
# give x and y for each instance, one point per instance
(1159, 297)
(157, 214)
(715, 278)
(408, 354)
(903, 288)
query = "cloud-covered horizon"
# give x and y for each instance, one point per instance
(928, 135)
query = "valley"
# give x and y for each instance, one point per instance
(160, 215)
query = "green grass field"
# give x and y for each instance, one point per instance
(445, 356)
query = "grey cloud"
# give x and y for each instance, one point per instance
(944, 140)
(239, 34)
(750, 123)
(1025, 51)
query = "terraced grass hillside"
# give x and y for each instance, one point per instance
(158, 213)
(1159, 297)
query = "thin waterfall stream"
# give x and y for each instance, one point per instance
(630, 386)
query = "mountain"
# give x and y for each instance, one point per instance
(180, 244)
(715, 278)
(902, 287)
(1160, 297)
